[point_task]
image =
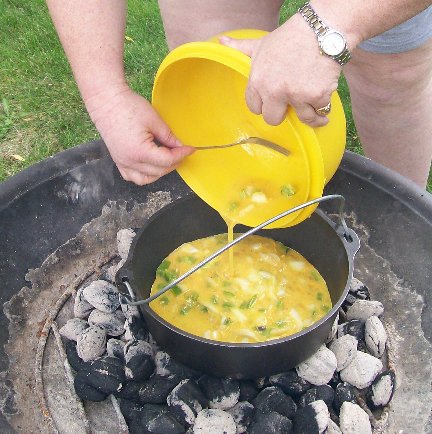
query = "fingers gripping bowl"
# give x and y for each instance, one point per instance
(209, 109)
(321, 241)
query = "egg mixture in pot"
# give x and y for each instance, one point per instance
(266, 291)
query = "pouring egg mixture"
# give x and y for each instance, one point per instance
(267, 291)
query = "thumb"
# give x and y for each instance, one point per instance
(163, 135)
(246, 46)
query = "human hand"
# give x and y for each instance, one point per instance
(130, 126)
(288, 69)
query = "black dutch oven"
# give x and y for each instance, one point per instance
(329, 246)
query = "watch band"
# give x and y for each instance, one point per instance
(320, 29)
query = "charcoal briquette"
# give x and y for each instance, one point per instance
(312, 419)
(130, 311)
(344, 392)
(102, 295)
(345, 349)
(349, 301)
(319, 368)
(72, 355)
(375, 336)
(214, 421)
(166, 365)
(248, 390)
(291, 383)
(73, 328)
(86, 391)
(363, 309)
(113, 322)
(156, 389)
(381, 390)
(359, 290)
(130, 391)
(153, 343)
(362, 370)
(139, 363)
(335, 380)
(186, 400)
(91, 343)
(324, 393)
(135, 329)
(130, 410)
(333, 428)
(354, 420)
(82, 308)
(157, 419)
(273, 399)
(106, 374)
(333, 330)
(261, 382)
(270, 423)
(354, 328)
(242, 413)
(115, 348)
(222, 393)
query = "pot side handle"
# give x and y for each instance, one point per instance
(350, 239)
(123, 278)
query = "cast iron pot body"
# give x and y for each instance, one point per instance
(318, 239)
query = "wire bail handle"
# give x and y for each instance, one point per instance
(346, 233)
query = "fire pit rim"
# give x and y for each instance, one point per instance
(387, 180)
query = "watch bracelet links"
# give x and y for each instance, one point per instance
(312, 19)
(319, 28)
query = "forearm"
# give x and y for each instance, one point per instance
(92, 35)
(362, 19)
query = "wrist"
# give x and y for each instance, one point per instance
(102, 96)
(339, 20)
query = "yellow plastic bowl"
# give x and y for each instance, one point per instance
(199, 91)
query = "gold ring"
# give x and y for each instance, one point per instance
(323, 111)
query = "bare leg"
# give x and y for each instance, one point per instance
(198, 20)
(391, 97)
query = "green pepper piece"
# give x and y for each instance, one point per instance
(214, 299)
(185, 309)
(283, 247)
(287, 190)
(164, 300)
(248, 304)
(176, 290)
(315, 275)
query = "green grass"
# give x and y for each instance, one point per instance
(41, 112)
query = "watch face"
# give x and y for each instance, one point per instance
(333, 43)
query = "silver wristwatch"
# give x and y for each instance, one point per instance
(331, 42)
